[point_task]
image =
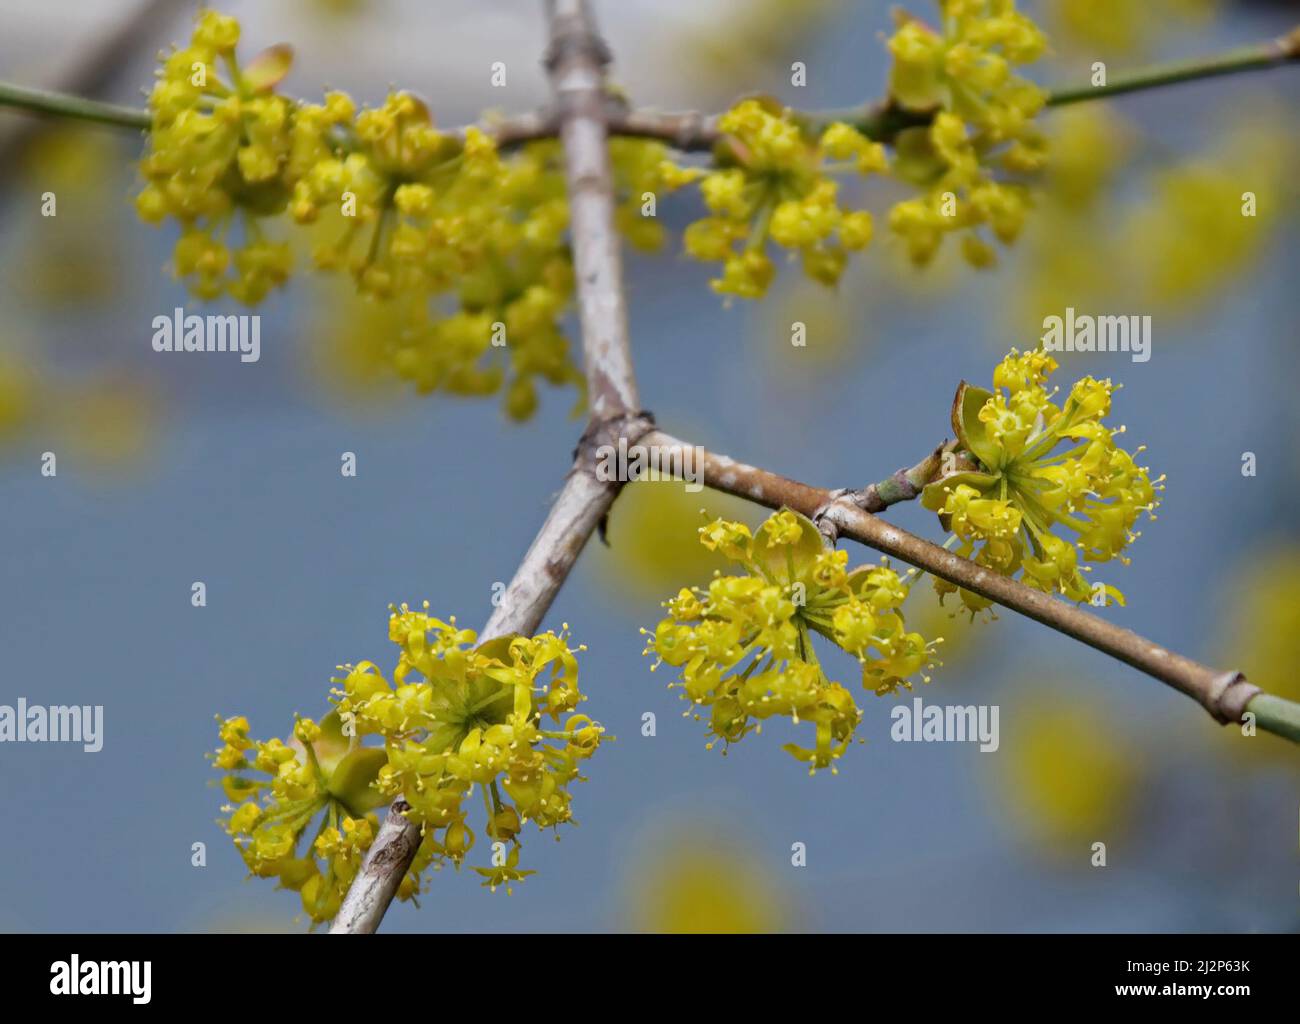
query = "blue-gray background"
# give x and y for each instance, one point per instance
(241, 489)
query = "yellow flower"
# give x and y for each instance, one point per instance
(841, 141)
(1041, 466)
(466, 243)
(674, 177)
(475, 719)
(320, 777)
(983, 125)
(744, 645)
(724, 194)
(218, 150)
(773, 185)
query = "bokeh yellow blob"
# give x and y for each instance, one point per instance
(1192, 238)
(1261, 635)
(1173, 240)
(964, 637)
(74, 256)
(347, 354)
(1065, 773)
(18, 388)
(1122, 26)
(109, 421)
(809, 331)
(731, 48)
(704, 885)
(654, 542)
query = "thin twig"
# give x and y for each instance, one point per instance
(59, 104)
(577, 511)
(696, 131)
(576, 62)
(1226, 695)
(905, 484)
(97, 65)
(1256, 57)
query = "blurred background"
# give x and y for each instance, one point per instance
(205, 468)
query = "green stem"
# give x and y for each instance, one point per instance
(44, 101)
(1276, 715)
(487, 806)
(1257, 57)
(758, 230)
(905, 484)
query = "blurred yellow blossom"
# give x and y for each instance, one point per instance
(653, 544)
(1171, 237)
(1195, 233)
(983, 127)
(688, 883)
(75, 256)
(727, 52)
(1066, 773)
(19, 382)
(1260, 631)
(1122, 26)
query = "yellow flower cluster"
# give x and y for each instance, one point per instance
(745, 645)
(465, 243)
(217, 150)
(318, 776)
(469, 243)
(475, 718)
(1024, 483)
(771, 183)
(643, 171)
(982, 126)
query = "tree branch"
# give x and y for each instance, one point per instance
(1226, 695)
(576, 60)
(578, 509)
(695, 131)
(904, 484)
(583, 117)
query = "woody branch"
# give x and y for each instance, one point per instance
(576, 61)
(697, 131)
(1226, 695)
